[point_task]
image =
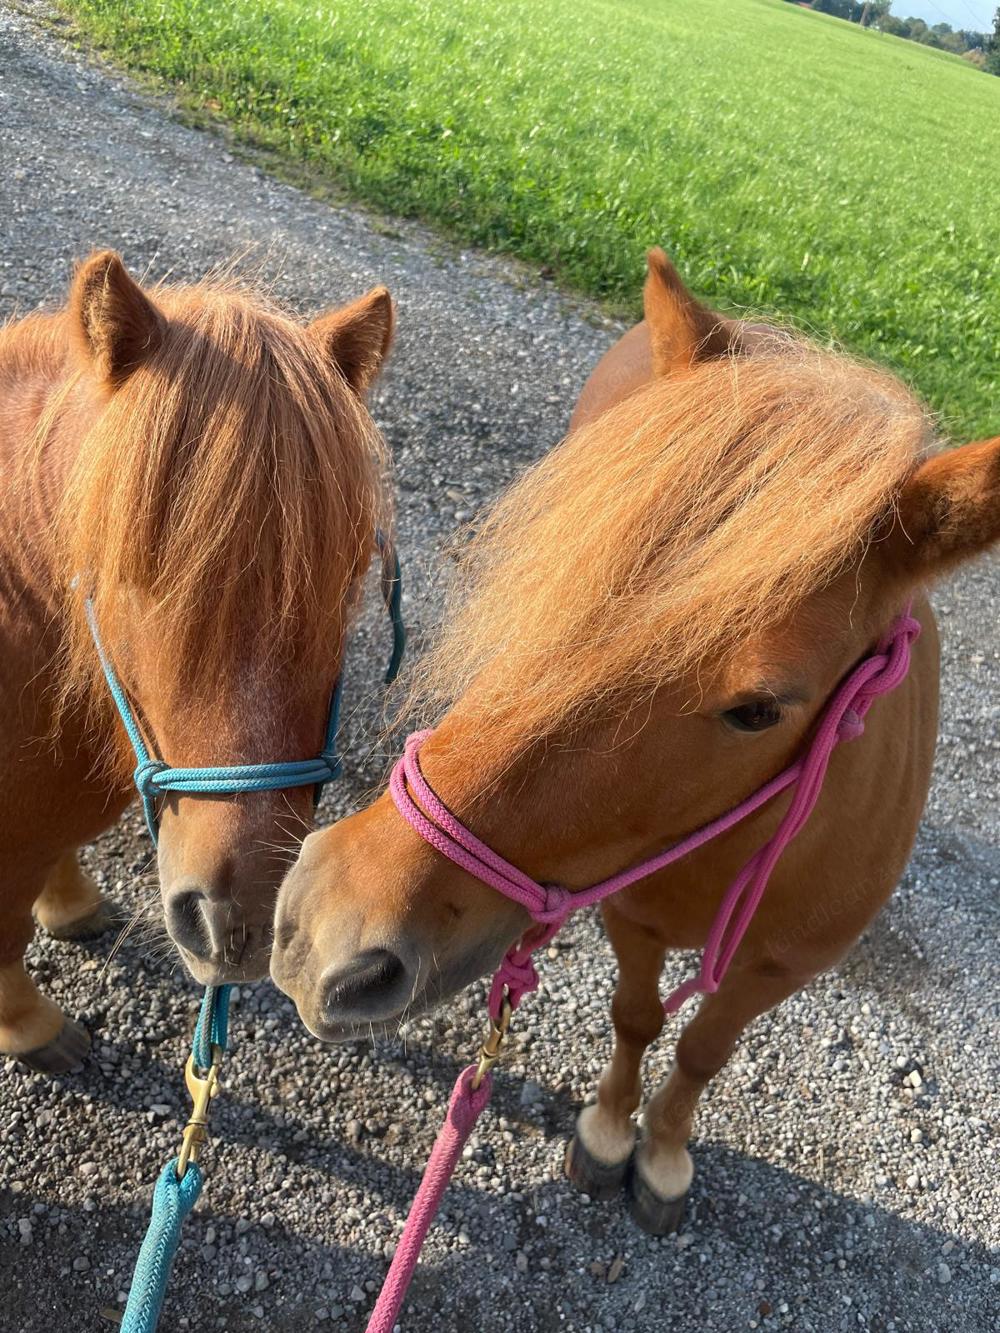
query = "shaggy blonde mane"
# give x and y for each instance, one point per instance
(228, 493)
(691, 516)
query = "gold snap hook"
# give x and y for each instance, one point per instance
(202, 1087)
(489, 1052)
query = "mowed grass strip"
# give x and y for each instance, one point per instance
(791, 163)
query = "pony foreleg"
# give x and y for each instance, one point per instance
(663, 1170)
(32, 1027)
(71, 906)
(599, 1154)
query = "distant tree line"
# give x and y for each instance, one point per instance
(981, 49)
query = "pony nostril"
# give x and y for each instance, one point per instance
(367, 986)
(187, 925)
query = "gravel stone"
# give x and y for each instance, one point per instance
(804, 1146)
(531, 1093)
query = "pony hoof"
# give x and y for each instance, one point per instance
(65, 1052)
(601, 1180)
(96, 922)
(651, 1211)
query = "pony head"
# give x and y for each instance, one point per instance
(646, 629)
(218, 508)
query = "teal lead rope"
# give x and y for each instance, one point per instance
(179, 1185)
(392, 596)
(173, 1198)
(212, 1028)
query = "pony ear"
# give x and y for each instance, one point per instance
(358, 337)
(117, 324)
(681, 329)
(949, 511)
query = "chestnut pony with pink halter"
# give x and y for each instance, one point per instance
(550, 904)
(828, 519)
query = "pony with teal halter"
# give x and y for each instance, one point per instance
(179, 1184)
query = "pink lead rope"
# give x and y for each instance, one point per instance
(550, 905)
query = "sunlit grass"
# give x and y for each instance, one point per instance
(789, 162)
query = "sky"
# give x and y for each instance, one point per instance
(974, 14)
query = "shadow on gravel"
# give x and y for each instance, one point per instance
(787, 1237)
(44, 1293)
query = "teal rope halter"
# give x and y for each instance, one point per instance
(154, 776)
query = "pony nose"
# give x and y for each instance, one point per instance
(211, 929)
(190, 925)
(373, 985)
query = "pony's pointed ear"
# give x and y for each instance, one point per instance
(117, 324)
(949, 511)
(681, 329)
(358, 337)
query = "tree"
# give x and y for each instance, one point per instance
(973, 41)
(873, 11)
(992, 47)
(891, 24)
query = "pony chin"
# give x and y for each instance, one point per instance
(310, 989)
(351, 977)
(440, 986)
(253, 968)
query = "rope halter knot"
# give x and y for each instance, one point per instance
(514, 978)
(556, 905)
(850, 726)
(145, 777)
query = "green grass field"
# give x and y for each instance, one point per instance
(790, 163)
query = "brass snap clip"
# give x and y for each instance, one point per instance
(489, 1052)
(202, 1087)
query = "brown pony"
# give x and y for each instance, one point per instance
(651, 622)
(205, 470)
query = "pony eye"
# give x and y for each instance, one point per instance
(755, 716)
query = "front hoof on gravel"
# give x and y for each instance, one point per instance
(651, 1211)
(102, 918)
(65, 1052)
(601, 1180)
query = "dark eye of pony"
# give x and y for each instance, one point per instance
(757, 715)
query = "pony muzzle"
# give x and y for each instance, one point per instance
(217, 942)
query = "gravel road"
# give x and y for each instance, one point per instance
(846, 1167)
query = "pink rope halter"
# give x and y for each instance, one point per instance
(550, 904)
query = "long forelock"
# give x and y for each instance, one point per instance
(689, 518)
(231, 489)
